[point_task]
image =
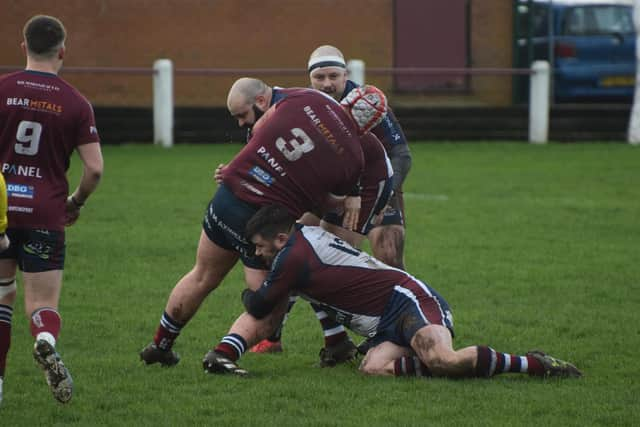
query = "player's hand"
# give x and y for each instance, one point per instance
(217, 175)
(4, 242)
(351, 212)
(72, 212)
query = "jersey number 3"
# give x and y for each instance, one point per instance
(293, 149)
(28, 137)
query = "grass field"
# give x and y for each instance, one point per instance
(533, 247)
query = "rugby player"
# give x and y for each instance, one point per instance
(304, 153)
(409, 325)
(248, 99)
(43, 119)
(328, 73)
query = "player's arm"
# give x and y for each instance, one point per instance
(92, 168)
(288, 269)
(390, 132)
(4, 240)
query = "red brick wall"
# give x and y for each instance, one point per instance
(232, 34)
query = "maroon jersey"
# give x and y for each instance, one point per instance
(304, 147)
(352, 286)
(42, 120)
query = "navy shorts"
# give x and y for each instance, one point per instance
(36, 250)
(412, 306)
(224, 223)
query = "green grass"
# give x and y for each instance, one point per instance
(533, 247)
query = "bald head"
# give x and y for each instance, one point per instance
(245, 95)
(324, 56)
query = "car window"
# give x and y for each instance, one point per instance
(595, 20)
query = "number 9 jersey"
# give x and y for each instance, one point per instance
(42, 120)
(303, 148)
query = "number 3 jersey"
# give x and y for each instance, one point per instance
(304, 147)
(42, 120)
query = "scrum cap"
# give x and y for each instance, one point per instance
(367, 105)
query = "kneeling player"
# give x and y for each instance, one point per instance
(409, 325)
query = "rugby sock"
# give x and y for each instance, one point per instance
(277, 334)
(491, 362)
(232, 347)
(5, 335)
(334, 332)
(167, 332)
(410, 366)
(45, 324)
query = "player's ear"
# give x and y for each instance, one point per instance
(23, 46)
(261, 102)
(61, 52)
(281, 239)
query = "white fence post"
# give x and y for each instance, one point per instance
(163, 102)
(539, 103)
(356, 71)
(633, 136)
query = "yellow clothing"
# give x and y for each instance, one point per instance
(3, 205)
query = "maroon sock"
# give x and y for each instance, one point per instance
(5, 335)
(232, 346)
(45, 319)
(167, 332)
(408, 366)
(491, 362)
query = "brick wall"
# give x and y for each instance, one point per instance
(237, 34)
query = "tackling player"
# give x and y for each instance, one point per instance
(305, 155)
(328, 73)
(409, 326)
(43, 119)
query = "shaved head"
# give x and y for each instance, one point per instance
(243, 96)
(326, 50)
(244, 92)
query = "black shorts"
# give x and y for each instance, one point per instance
(224, 223)
(36, 250)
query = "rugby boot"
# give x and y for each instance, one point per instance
(555, 367)
(57, 375)
(216, 363)
(344, 351)
(152, 354)
(266, 346)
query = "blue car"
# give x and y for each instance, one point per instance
(590, 44)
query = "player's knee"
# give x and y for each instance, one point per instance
(370, 366)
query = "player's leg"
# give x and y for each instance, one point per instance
(42, 294)
(433, 344)
(245, 331)
(41, 256)
(212, 265)
(273, 342)
(7, 301)
(387, 244)
(390, 359)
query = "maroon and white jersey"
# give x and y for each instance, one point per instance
(303, 148)
(42, 120)
(351, 285)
